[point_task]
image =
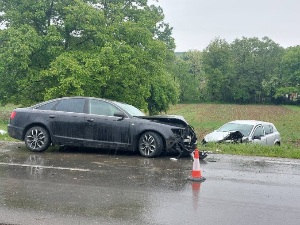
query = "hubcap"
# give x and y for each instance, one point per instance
(36, 139)
(147, 145)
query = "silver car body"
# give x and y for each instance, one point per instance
(252, 131)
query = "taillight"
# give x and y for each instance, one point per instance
(13, 113)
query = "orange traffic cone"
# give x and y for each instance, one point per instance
(196, 172)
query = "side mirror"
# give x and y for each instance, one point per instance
(120, 114)
(257, 137)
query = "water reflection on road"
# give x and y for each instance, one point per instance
(92, 186)
(35, 170)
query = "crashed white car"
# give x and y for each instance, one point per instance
(245, 131)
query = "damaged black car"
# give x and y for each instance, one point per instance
(100, 123)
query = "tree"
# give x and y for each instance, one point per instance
(290, 73)
(217, 64)
(113, 49)
(256, 69)
(187, 71)
(290, 67)
(196, 71)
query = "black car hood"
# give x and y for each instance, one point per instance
(174, 120)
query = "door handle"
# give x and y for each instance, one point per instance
(51, 116)
(90, 120)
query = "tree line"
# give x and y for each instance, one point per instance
(248, 70)
(124, 51)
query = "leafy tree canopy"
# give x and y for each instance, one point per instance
(218, 70)
(188, 72)
(115, 49)
(245, 71)
(291, 66)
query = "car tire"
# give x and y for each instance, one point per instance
(150, 144)
(277, 144)
(37, 139)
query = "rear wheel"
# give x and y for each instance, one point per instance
(150, 144)
(37, 139)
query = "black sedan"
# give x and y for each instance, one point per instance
(100, 123)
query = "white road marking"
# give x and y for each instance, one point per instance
(280, 162)
(46, 167)
(4, 150)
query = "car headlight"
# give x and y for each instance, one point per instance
(187, 139)
(178, 132)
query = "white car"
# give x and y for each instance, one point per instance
(244, 131)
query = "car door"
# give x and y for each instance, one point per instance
(258, 135)
(67, 121)
(103, 129)
(270, 136)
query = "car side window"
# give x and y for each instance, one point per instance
(102, 108)
(47, 106)
(75, 105)
(268, 129)
(259, 132)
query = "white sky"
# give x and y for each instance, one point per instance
(197, 22)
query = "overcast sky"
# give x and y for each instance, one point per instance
(196, 22)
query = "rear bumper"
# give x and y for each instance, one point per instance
(15, 132)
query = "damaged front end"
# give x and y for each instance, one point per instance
(185, 140)
(225, 137)
(234, 137)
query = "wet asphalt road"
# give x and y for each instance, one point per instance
(82, 186)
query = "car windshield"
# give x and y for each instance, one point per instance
(130, 109)
(245, 129)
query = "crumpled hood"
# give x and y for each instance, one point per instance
(216, 136)
(167, 119)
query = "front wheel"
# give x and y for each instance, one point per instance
(37, 139)
(150, 144)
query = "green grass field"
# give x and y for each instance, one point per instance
(208, 117)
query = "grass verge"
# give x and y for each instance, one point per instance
(5, 112)
(284, 151)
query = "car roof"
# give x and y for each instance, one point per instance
(57, 99)
(108, 100)
(251, 122)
